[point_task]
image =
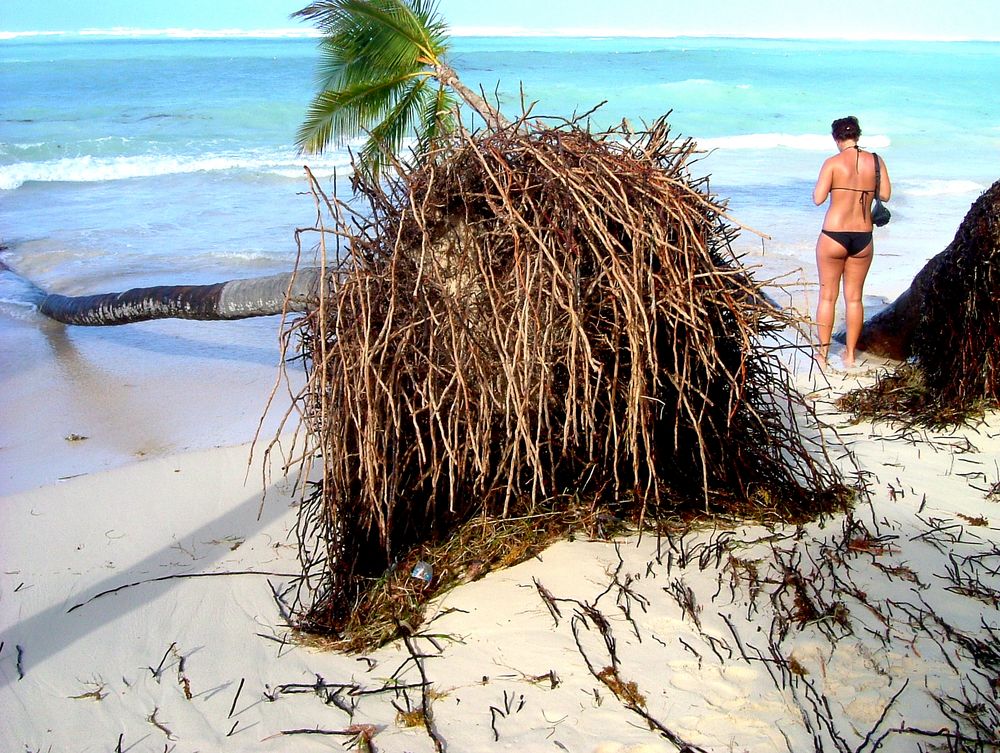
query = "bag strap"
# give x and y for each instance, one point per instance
(878, 175)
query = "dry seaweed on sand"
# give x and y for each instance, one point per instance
(538, 314)
(393, 602)
(902, 396)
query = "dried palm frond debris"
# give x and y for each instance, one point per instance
(903, 397)
(953, 374)
(540, 322)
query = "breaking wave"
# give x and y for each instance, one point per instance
(90, 169)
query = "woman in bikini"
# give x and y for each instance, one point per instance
(844, 249)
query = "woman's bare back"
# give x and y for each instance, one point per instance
(851, 189)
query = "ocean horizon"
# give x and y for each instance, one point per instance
(119, 32)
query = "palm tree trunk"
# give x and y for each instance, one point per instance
(234, 299)
(889, 333)
(446, 75)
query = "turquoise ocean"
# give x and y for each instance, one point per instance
(135, 161)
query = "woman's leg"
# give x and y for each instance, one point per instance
(855, 271)
(830, 258)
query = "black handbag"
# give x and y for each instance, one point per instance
(880, 212)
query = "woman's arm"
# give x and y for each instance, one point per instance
(885, 185)
(823, 183)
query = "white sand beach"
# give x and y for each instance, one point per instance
(148, 548)
(140, 568)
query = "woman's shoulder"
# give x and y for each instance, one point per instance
(830, 163)
(875, 156)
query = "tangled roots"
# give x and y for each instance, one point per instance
(539, 320)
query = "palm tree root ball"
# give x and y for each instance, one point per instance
(540, 330)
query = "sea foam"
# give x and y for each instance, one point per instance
(941, 188)
(809, 142)
(90, 169)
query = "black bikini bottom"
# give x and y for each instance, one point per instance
(852, 240)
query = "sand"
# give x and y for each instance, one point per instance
(75, 400)
(143, 576)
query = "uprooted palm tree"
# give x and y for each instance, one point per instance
(945, 327)
(539, 323)
(529, 321)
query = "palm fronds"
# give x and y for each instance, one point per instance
(377, 64)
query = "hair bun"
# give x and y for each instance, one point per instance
(846, 128)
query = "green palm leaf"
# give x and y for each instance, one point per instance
(437, 121)
(374, 62)
(340, 114)
(416, 19)
(386, 138)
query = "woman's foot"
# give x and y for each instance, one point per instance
(820, 358)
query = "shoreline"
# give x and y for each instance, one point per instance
(81, 400)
